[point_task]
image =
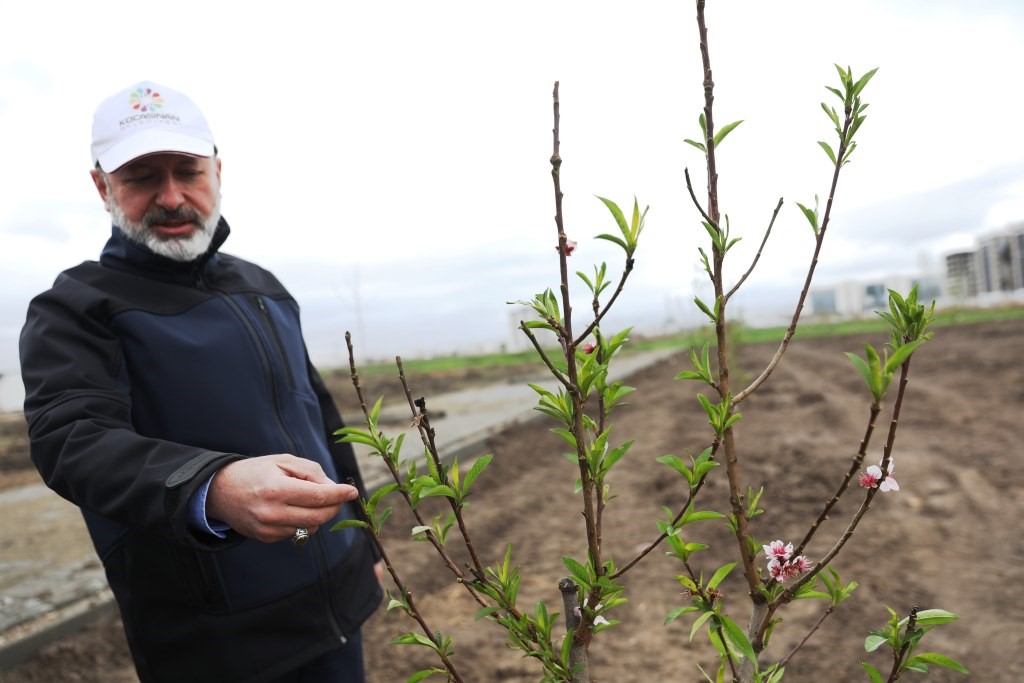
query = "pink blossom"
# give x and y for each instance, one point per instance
(802, 562)
(570, 246)
(780, 571)
(869, 479)
(873, 475)
(778, 550)
(589, 347)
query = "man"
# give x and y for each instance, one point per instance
(170, 396)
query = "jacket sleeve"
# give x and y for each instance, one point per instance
(79, 412)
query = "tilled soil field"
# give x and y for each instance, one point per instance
(950, 538)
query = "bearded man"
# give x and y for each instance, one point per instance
(170, 396)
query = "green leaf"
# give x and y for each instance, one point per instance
(873, 673)
(703, 516)
(415, 639)
(725, 130)
(703, 307)
(678, 612)
(700, 622)
(901, 354)
(938, 660)
(859, 85)
(697, 145)
(349, 524)
(873, 642)
(934, 617)
(616, 212)
(357, 437)
(441, 490)
(485, 612)
(579, 571)
(425, 673)
(566, 435)
(831, 112)
(812, 218)
(612, 238)
(828, 150)
(721, 573)
(475, 471)
(736, 637)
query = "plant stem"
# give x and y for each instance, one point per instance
(578, 665)
(584, 633)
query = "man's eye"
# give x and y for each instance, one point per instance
(137, 180)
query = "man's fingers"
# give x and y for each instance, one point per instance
(307, 494)
(300, 468)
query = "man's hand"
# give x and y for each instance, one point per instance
(270, 496)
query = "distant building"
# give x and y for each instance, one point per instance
(992, 272)
(854, 298)
(962, 275)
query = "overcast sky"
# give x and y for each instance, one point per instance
(389, 160)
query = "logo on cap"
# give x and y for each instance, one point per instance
(144, 99)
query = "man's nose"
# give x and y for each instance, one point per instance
(170, 195)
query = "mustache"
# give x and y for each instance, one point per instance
(182, 214)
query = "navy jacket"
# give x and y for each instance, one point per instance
(143, 376)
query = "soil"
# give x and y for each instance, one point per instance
(950, 538)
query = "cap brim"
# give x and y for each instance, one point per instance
(153, 142)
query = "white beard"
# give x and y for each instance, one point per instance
(182, 249)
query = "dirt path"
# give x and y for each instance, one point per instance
(950, 538)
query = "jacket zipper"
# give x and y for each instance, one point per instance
(275, 340)
(323, 579)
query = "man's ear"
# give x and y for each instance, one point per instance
(101, 186)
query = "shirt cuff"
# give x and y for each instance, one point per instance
(197, 518)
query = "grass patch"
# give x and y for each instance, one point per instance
(527, 360)
(944, 318)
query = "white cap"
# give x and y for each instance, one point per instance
(146, 119)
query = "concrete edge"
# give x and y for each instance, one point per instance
(54, 626)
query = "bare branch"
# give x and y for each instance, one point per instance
(764, 240)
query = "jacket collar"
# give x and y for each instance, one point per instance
(121, 253)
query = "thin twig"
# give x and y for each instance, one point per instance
(764, 240)
(818, 241)
(543, 356)
(696, 202)
(675, 520)
(817, 625)
(422, 419)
